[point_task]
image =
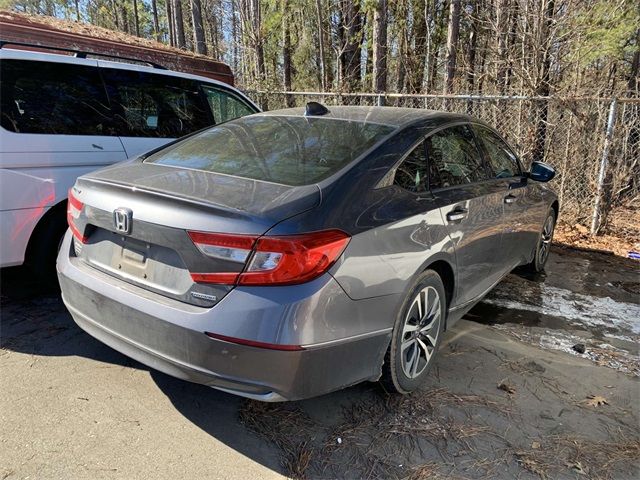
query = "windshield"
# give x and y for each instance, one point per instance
(288, 150)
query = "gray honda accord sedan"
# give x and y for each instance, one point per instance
(287, 254)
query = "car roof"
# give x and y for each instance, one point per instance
(391, 116)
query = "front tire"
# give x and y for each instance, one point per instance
(544, 244)
(416, 336)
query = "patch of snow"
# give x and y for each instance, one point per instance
(578, 308)
(555, 341)
(620, 337)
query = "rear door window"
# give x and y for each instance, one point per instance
(411, 174)
(224, 105)
(454, 158)
(502, 160)
(287, 150)
(152, 105)
(53, 98)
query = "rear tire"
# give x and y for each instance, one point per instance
(543, 246)
(44, 245)
(416, 336)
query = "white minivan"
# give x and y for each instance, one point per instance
(63, 116)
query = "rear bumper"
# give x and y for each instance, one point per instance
(168, 335)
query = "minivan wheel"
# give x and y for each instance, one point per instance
(544, 243)
(44, 247)
(416, 335)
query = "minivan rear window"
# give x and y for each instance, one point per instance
(280, 149)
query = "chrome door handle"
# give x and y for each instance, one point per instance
(457, 214)
(509, 199)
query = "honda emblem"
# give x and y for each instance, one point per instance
(122, 218)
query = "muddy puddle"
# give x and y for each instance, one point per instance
(586, 304)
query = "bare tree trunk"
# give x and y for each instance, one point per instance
(125, 18)
(402, 14)
(199, 42)
(286, 53)
(211, 17)
(77, 10)
(251, 15)
(511, 42)
(634, 80)
(156, 23)
(234, 34)
(323, 67)
(439, 13)
(501, 22)
(116, 19)
(473, 43)
(257, 30)
(483, 65)
(415, 62)
(544, 85)
(452, 42)
(380, 47)
(170, 27)
(178, 23)
(351, 36)
(136, 19)
(367, 43)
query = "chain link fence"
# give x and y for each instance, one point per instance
(594, 143)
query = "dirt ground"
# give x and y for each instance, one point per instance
(509, 397)
(620, 235)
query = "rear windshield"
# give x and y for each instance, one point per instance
(288, 150)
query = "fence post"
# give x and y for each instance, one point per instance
(381, 101)
(595, 220)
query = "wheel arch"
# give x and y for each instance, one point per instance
(555, 205)
(445, 270)
(55, 213)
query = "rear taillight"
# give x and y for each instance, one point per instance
(74, 208)
(278, 260)
(293, 259)
(231, 248)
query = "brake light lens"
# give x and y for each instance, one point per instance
(74, 208)
(277, 260)
(293, 259)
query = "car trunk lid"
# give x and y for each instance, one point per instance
(163, 204)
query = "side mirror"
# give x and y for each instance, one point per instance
(541, 172)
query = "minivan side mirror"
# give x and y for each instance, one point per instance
(541, 172)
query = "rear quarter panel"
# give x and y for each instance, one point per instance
(384, 260)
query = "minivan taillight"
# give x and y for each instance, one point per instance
(271, 260)
(74, 208)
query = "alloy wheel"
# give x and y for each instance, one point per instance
(420, 332)
(545, 239)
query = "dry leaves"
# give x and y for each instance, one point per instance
(577, 467)
(596, 401)
(620, 236)
(507, 387)
(531, 464)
